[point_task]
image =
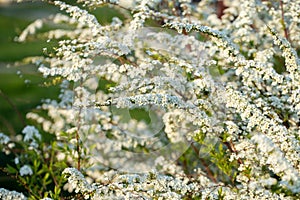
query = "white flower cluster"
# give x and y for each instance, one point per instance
(32, 135)
(4, 139)
(26, 170)
(145, 186)
(6, 143)
(78, 183)
(30, 30)
(11, 195)
(97, 3)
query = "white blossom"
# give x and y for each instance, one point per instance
(32, 135)
(26, 170)
(4, 139)
(13, 195)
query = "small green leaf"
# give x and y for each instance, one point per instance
(11, 170)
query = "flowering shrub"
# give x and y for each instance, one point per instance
(175, 100)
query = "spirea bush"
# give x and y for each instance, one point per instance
(170, 100)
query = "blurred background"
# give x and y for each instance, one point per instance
(21, 86)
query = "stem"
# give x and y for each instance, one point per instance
(208, 171)
(232, 149)
(50, 166)
(220, 8)
(286, 33)
(78, 141)
(78, 130)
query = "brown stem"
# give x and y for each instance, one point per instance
(220, 8)
(208, 171)
(125, 61)
(232, 149)
(286, 33)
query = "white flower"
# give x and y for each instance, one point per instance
(78, 182)
(26, 170)
(4, 139)
(17, 161)
(31, 135)
(11, 195)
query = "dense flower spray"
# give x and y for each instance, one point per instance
(175, 100)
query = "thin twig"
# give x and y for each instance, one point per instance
(78, 141)
(77, 132)
(209, 172)
(232, 149)
(286, 32)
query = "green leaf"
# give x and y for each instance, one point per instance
(46, 177)
(11, 169)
